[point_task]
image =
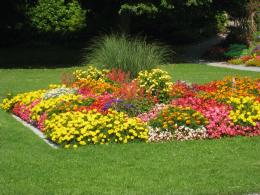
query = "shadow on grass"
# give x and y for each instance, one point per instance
(41, 57)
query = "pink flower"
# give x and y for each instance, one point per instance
(152, 113)
(41, 121)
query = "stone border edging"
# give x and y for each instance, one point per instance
(36, 131)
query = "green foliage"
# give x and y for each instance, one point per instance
(154, 7)
(221, 21)
(198, 2)
(237, 50)
(125, 53)
(133, 107)
(139, 9)
(57, 16)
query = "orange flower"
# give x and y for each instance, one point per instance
(187, 122)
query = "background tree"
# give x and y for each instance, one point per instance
(57, 16)
(170, 20)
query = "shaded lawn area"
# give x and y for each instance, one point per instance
(41, 57)
(29, 166)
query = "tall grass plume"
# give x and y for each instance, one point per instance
(126, 53)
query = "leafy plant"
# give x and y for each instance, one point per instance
(125, 53)
(132, 107)
(221, 21)
(57, 16)
(237, 50)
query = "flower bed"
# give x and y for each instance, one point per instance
(253, 60)
(240, 54)
(103, 106)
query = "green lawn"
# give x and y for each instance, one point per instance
(29, 166)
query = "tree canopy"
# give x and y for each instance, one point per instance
(172, 20)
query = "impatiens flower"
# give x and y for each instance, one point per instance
(152, 113)
(157, 135)
(185, 133)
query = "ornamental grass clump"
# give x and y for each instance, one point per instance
(128, 54)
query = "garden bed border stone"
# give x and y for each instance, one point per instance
(36, 131)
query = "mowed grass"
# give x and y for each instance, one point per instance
(29, 166)
(200, 73)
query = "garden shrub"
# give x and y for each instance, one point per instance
(221, 21)
(237, 50)
(128, 54)
(57, 16)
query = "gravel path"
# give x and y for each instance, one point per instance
(238, 67)
(195, 52)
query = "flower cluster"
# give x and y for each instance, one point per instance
(147, 116)
(88, 86)
(187, 133)
(173, 117)
(157, 135)
(218, 115)
(91, 73)
(222, 90)
(253, 60)
(76, 128)
(181, 123)
(155, 82)
(23, 111)
(181, 89)
(246, 111)
(62, 102)
(58, 92)
(24, 98)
